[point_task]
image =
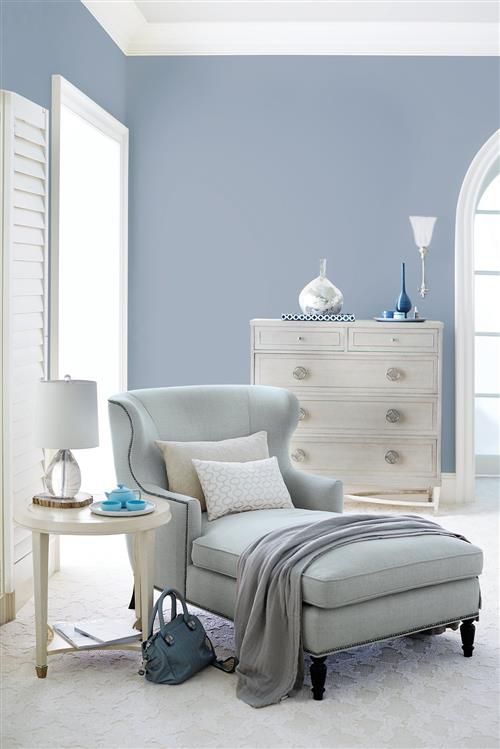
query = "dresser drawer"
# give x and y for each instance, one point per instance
(390, 373)
(393, 338)
(296, 337)
(363, 459)
(387, 415)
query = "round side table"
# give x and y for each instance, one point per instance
(42, 521)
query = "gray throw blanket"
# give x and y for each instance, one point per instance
(268, 612)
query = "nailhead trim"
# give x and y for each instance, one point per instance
(146, 491)
(397, 634)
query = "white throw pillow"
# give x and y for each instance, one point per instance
(240, 487)
(182, 477)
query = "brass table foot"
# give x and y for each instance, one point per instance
(41, 671)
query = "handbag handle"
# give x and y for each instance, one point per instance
(174, 595)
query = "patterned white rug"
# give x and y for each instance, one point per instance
(408, 693)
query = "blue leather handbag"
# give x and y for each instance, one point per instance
(180, 648)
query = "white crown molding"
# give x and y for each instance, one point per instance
(127, 26)
(324, 11)
(122, 20)
(315, 39)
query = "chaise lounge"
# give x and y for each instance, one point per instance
(355, 595)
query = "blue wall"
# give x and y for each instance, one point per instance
(246, 170)
(44, 37)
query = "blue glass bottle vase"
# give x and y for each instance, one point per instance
(403, 303)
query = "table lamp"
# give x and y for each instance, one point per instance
(66, 417)
(423, 227)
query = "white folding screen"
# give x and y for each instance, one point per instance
(24, 152)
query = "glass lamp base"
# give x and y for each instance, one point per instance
(63, 477)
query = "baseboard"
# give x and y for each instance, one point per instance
(7, 607)
(448, 489)
(448, 494)
(10, 603)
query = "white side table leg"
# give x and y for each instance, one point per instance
(41, 579)
(138, 540)
(144, 558)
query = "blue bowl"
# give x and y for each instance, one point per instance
(133, 505)
(111, 504)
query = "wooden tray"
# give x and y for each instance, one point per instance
(82, 499)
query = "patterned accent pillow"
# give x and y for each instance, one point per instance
(240, 487)
(182, 477)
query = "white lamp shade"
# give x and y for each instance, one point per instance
(423, 227)
(66, 414)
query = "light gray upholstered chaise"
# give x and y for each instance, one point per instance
(352, 596)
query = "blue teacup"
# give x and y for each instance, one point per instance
(111, 504)
(388, 314)
(133, 505)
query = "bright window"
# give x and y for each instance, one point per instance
(90, 309)
(487, 330)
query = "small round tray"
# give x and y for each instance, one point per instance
(96, 509)
(392, 319)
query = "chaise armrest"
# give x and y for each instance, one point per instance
(173, 540)
(311, 492)
(191, 506)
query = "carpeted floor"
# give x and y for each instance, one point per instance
(411, 692)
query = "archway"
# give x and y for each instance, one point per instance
(476, 179)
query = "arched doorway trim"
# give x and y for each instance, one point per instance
(470, 193)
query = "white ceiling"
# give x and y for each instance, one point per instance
(303, 11)
(194, 27)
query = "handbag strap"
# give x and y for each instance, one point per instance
(228, 665)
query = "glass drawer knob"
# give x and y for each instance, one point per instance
(392, 456)
(298, 456)
(302, 414)
(393, 374)
(392, 416)
(300, 373)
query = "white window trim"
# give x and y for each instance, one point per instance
(65, 94)
(470, 193)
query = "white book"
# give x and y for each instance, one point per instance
(108, 631)
(75, 639)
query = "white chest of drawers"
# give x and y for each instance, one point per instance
(370, 399)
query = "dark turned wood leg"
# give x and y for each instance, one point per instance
(467, 630)
(318, 676)
(132, 600)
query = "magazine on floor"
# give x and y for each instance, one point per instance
(89, 634)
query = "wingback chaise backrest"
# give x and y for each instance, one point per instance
(186, 414)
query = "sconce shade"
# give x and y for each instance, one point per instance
(66, 414)
(423, 228)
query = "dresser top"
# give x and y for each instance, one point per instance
(357, 324)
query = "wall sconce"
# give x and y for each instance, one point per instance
(423, 227)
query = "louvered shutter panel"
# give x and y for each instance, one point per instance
(25, 153)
